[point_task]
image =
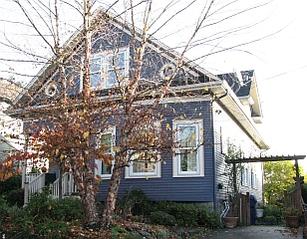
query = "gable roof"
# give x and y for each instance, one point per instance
(75, 41)
(214, 86)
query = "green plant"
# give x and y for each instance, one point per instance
(273, 211)
(9, 184)
(162, 218)
(4, 208)
(184, 213)
(135, 202)
(208, 218)
(67, 209)
(15, 197)
(52, 229)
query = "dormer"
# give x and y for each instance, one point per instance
(244, 85)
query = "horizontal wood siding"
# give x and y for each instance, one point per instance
(226, 130)
(188, 189)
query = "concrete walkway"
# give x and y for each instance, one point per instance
(256, 232)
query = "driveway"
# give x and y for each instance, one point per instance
(256, 232)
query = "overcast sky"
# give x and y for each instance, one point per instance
(279, 61)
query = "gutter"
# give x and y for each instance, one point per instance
(223, 94)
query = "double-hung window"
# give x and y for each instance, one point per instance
(107, 141)
(189, 154)
(143, 166)
(109, 68)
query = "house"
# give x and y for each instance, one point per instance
(10, 128)
(222, 110)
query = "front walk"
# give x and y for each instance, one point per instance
(256, 232)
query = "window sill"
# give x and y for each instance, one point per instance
(142, 176)
(188, 176)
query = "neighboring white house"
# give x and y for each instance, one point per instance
(11, 130)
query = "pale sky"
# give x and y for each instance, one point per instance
(279, 62)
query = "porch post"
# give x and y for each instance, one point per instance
(23, 175)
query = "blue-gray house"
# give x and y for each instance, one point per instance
(223, 110)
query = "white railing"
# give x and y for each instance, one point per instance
(68, 186)
(34, 185)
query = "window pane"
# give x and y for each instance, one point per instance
(117, 61)
(95, 64)
(144, 167)
(106, 168)
(106, 141)
(111, 80)
(120, 61)
(187, 136)
(96, 80)
(188, 161)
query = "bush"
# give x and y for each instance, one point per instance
(273, 211)
(185, 214)
(135, 202)
(68, 209)
(4, 209)
(208, 218)
(190, 214)
(15, 197)
(162, 218)
(45, 217)
(9, 184)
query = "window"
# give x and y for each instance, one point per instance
(107, 140)
(107, 67)
(141, 166)
(189, 155)
(246, 177)
(242, 176)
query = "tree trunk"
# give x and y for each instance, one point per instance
(112, 196)
(89, 203)
(86, 188)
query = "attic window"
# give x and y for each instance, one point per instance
(108, 68)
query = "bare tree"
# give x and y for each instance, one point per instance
(133, 100)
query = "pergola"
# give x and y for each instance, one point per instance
(275, 159)
(270, 159)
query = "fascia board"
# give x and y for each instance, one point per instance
(232, 105)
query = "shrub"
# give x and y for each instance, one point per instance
(273, 211)
(51, 229)
(185, 214)
(15, 197)
(4, 208)
(9, 184)
(45, 217)
(135, 202)
(68, 209)
(162, 218)
(207, 217)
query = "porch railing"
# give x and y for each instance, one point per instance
(34, 183)
(68, 186)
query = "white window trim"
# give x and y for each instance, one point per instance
(105, 54)
(130, 174)
(111, 130)
(200, 151)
